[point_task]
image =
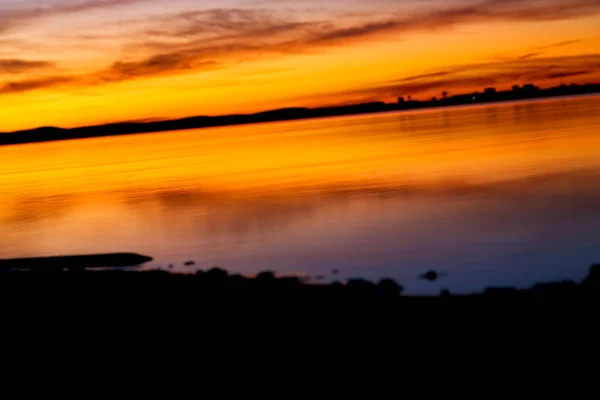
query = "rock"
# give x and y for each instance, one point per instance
(556, 286)
(237, 282)
(390, 288)
(291, 281)
(362, 287)
(593, 278)
(497, 291)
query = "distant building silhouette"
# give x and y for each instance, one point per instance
(490, 91)
(401, 100)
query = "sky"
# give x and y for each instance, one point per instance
(81, 62)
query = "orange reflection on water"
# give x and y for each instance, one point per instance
(496, 187)
(479, 144)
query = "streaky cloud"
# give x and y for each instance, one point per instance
(153, 66)
(477, 76)
(18, 16)
(17, 66)
(34, 84)
(232, 32)
(198, 40)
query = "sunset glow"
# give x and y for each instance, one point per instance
(72, 62)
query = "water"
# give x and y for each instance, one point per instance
(496, 195)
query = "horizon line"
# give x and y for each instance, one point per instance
(435, 102)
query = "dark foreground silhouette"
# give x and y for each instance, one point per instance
(81, 262)
(488, 95)
(137, 288)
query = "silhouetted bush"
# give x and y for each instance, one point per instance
(389, 287)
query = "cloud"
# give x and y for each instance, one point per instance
(220, 24)
(430, 75)
(205, 39)
(530, 55)
(560, 44)
(477, 76)
(118, 72)
(16, 66)
(33, 84)
(567, 74)
(231, 23)
(153, 66)
(246, 32)
(12, 18)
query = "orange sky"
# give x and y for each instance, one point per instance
(71, 62)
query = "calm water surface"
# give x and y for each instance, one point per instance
(492, 195)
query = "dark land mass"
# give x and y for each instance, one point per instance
(489, 95)
(133, 288)
(215, 312)
(80, 262)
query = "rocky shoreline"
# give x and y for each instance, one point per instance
(219, 284)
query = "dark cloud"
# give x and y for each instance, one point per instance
(539, 50)
(33, 84)
(118, 72)
(437, 74)
(568, 74)
(155, 65)
(483, 11)
(461, 77)
(560, 44)
(530, 55)
(15, 66)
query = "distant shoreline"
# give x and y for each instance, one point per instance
(488, 96)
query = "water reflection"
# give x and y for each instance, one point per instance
(505, 194)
